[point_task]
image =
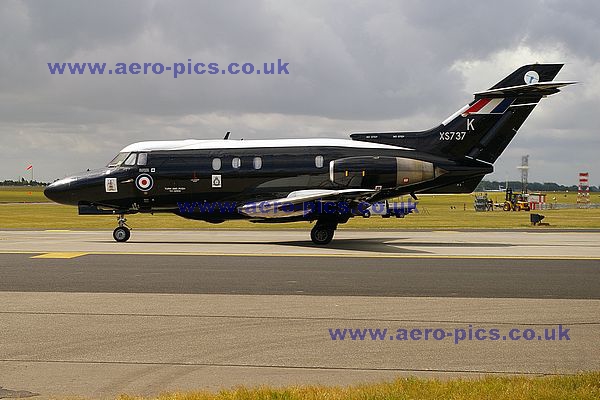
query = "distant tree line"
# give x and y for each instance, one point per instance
(531, 186)
(22, 182)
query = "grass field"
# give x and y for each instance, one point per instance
(27, 208)
(582, 386)
(22, 194)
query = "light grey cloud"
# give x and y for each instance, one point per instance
(354, 66)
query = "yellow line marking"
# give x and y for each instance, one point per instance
(62, 255)
(308, 255)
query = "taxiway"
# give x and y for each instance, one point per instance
(172, 310)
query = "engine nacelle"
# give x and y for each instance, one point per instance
(386, 172)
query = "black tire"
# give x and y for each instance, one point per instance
(322, 234)
(121, 234)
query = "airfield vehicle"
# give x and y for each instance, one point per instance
(516, 201)
(483, 203)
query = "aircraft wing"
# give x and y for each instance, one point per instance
(288, 206)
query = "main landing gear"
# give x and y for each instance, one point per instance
(122, 232)
(323, 231)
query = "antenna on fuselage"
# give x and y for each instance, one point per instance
(226, 135)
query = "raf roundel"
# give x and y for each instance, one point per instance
(144, 182)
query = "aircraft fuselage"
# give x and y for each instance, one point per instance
(244, 171)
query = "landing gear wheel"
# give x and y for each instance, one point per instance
(121, 234)
(322, 234)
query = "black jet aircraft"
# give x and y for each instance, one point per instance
(324, 180)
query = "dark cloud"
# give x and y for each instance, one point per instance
(354, 66)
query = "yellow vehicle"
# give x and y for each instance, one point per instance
(516, 201)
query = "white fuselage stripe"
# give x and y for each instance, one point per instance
(193, 144)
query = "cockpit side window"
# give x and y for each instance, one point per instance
(131, 159)
(118, 160)
(142, 159)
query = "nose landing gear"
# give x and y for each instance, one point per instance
(122, 232)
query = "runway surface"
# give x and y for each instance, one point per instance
(289, 275)
(436, 244)
(81, 315)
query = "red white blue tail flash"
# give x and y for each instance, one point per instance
(489, 106)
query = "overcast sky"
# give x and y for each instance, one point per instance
(353, 66)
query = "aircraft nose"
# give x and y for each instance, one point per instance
(60, 192)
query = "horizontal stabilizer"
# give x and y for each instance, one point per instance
(535, 89)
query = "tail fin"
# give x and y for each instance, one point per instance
(482, 129)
